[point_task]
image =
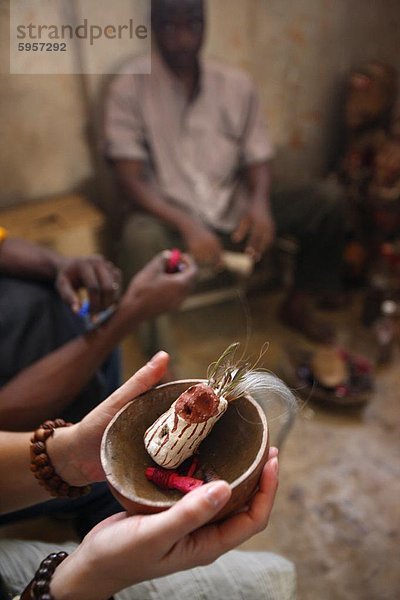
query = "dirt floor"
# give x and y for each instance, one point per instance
(337, 514)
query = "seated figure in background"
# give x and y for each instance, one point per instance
(49, 365)
(189, 147)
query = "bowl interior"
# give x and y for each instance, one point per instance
(233, 450)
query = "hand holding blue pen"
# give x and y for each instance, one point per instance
(95, 274)
(93, 321)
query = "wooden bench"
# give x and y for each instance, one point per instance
(69, 224)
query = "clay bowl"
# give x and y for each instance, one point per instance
(237, 450)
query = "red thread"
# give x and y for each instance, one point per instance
(193, 467)
(170, 480)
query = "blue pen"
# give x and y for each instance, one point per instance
(85, 309)
(94, 321)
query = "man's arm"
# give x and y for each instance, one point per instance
(23, 259)
(99, 277)
(200, 241)
(51, 384)
(257, 224)
(258, 180)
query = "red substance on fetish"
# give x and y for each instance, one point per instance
(197, 404)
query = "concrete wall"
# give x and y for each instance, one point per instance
(42, 148)
(297, 50)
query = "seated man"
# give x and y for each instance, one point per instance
(189, 147)
(49, 365)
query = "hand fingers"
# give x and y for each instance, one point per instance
(189, 270)
(191, 512)
(254, 250)
(273, 452)
(205, 246)
(156, 265)
(242, 230)
(260, 239)
(211, 541)
(118, 281)
(262, 503)
(188, 277)
(209, 252)
(87, 277)
(67, 292)
(108, 279)
(188, 273)
(209, 259)
(241, 527)
(256, 244)
(207, 543)
(100, 277)
(91, 429)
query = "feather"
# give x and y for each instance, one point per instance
(264, 387)
(233, 378)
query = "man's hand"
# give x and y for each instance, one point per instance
(100, 278)
(124, 550)
(75, 451)
(203, 244)
(258, 226)
(153, 291)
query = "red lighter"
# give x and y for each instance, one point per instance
(174, 263)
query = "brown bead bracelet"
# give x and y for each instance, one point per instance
(39, 587)
(41, 465)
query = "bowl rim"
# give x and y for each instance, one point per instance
(140, 501)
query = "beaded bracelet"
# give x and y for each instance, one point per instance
(42, 467)
(39, 587)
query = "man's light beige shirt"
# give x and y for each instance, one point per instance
(195, 150)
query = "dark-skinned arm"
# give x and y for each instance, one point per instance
(257, 224)
(201, 242)
(48, 386)
(258, 181)
(100, 278)
(20, 258)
